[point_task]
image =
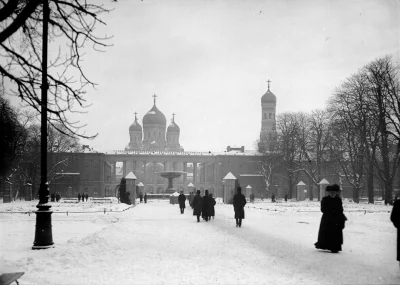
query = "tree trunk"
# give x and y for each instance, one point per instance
(356, 194)
(370, 183)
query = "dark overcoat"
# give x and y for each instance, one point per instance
(395, 218)
(207, 206)
(212, 206)
(197, 204)
(239, 201)
(330, 235)
(181, 200)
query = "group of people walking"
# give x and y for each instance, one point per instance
(142, 197)
(55, 197)
(83, 197)
(205, 206)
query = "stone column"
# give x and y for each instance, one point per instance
(229, 189)
(185, 170)
(144, 171)
(194, 173)
(114, 171)
(322, 186)
(131, 186)
(124, 168)
(154, 176)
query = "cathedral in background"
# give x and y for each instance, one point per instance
(155, 136)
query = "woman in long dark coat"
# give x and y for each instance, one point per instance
(197, 204)
(181, 200)
(330, 235)
(212, 205)
(239, 201)
(395, 218)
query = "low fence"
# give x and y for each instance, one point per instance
(104, 211)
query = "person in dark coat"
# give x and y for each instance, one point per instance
(197, 204)
(145, 197)
(330, 235)
(395, 218)
(86, 196)
(79, 197)
(140, 197)
(206, 210)
(285, 197)
(239, 201)
(181, 200)
(273, 198)
(212, 205)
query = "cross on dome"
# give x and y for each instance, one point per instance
(173, 117)
(154, 96)
(269, 81)
(135, 116)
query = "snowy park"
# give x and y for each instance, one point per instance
(153, 243)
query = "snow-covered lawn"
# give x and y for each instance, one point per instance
(154, 244)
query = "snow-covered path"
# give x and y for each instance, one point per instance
(154, 244)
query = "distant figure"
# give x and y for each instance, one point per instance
(395, 218)
(197, 204)
(285, 197)
(252, 197)
(79, 197)
(212, 205)
(83, 197)
(273, 198)
(239, 201)
(206, 210)
(58, 196)
(181, 200)
(52, 197)
(262, 197)
(330, 235)
(86, 196)
(145, 197)
(140, 197)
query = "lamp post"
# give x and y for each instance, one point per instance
(43, 232)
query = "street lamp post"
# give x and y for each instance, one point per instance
(43, 232)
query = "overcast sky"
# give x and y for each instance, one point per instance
(208, 62)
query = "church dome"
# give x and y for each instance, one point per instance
(173, 128)
(154, 117)
(268, 97)
(135, 127)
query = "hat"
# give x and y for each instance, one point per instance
(334, 187)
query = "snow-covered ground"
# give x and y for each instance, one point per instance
(154, 244)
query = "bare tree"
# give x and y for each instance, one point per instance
(72, 24)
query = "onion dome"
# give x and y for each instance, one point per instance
(154, 116)
(135, 127)
(268, 97)
(173, 127)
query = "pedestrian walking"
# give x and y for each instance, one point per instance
(141, 197)
(273, 198)
(286, 197)
(330, 235)
(145, 197)
(181, 200)
(86, 196)
(212, 205)
(395, 218)
(79, 197)
(239, 201)
(83, 197)
(197, 204)
(206, 210)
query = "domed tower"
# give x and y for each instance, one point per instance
(135, 134)
(154, 127)
(173, 136)
(268, 122)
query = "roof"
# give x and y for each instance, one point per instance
(324, 181)
(229, 176)
(301, 183)
(130, 176)
(154, 117)
(268, 97)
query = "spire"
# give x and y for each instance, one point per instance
(173, 117)
(135, 117)
(269, 81)
(154, 96)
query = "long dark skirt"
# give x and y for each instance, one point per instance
(330, 236)
(239, 213)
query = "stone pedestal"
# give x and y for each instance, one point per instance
(131, 187)
(248, 191)
(229, 187)
(6, 187)
(322, 186)
(300, 191)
